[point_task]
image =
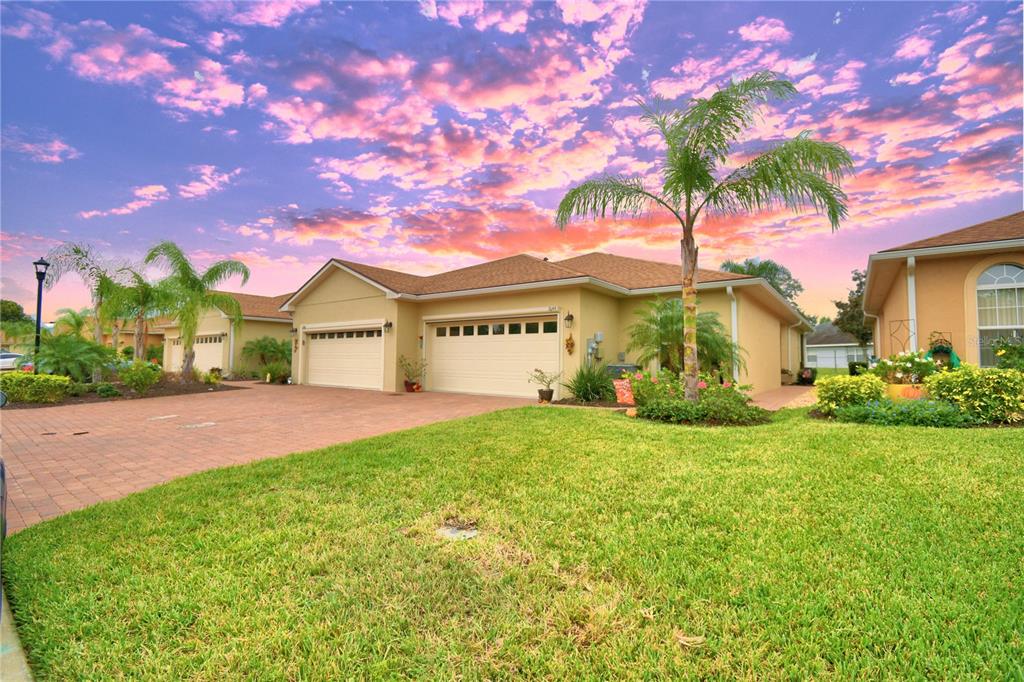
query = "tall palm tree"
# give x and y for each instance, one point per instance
(797, 173)
(74, 322)
(97, 273)
(195, 293)
(140, 300)
(776, 274)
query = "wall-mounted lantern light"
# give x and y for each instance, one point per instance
(568, 321)
(388, 326)
(294, 331)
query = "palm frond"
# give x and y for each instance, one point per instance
(796, 174)
(710, 126)
(611, 194)
(174, 260)
(224, 270)
(226, 303)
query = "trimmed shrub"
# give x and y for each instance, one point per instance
(990, 396)
(842, 391)
(907, 367)
(212, 378)
(141, 376)
(278, 371)
(1009, 353)
(107, 390)
(718, 405)
(22, 387)
(591, 383)
(906, 413)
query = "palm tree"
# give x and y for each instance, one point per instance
(97, 273)
(74, 322)
(140, 300)
(194, 293)
(267, 349)
(776, 274)
(655, 336)
(798, 173)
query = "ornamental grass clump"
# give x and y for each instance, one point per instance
(840, 391)
(906, 367)
(990, 396)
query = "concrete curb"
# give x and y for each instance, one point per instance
(13, 665)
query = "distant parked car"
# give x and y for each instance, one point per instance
(9, 360)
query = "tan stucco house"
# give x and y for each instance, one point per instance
(219, 343)
(483, 328)
(966, 285)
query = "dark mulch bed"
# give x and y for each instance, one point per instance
(161, 390)
(598, 403)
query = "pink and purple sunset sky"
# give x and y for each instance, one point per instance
(425, 137)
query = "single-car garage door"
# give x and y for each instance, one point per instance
(491, 357)
(349, 359)
(209, 351)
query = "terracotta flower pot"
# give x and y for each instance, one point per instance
(544, 395)
(906, 391)
(411, 386)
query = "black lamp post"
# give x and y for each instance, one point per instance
(41, 265)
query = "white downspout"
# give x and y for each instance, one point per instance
(735, 323)
(912, 300)
(231, 348)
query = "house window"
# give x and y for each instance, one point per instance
(550, 327)
(497, 329)
(467, 330)
(454, 331)
(441, 331)
(1000, 308)
(532, 327)
(515, 328)
(483, 329)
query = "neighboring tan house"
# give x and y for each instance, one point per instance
(828, 346)
(219, 343)
(126, 335)
(484, 328)
(966, 285)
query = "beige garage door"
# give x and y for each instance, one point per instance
(491, 357)
(209, 352)
(348, 359)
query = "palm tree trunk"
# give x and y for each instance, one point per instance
(140, 337)
(97, 337)
(187, 358)
(691, 367)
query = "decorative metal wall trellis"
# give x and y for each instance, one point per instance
(900, 332)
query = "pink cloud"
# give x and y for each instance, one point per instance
(914, 47)
(210, 92)
(209, 181)
(216, 41)
(45, 148)
(912, 78)
(765, 30)
(145, 196)
(269, 14)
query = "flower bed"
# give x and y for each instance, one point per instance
(659, 397)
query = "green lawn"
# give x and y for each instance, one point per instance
(608, 548)
(833, 371)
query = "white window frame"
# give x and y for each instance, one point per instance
(1016, 286)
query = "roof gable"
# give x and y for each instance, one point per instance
(635, 273)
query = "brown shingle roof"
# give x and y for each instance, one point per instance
(1007, 227)
(630, 273)
(827, 334)
(635, 273)
(261, 306)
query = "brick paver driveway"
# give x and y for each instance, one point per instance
(64, 458)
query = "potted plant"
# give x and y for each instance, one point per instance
(787, 377)
(413, 371)
(905, 372)
(940, 347)
(545, 379)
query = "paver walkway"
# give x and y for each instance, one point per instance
(786, 396)
(68, 457)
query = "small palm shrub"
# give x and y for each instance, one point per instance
(278, 372)
(906, 413)
(591, 383)
(141, 376)
(212, 378)
(107, 390)
(22, 387)
(841, 391)
(267, 349)
(990, 396)
(71, 356)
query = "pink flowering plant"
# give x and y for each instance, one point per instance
(907, 367)
(665, 385)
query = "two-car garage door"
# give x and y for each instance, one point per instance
(491, 357)
(350, 358)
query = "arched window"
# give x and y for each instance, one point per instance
(1000, 307)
